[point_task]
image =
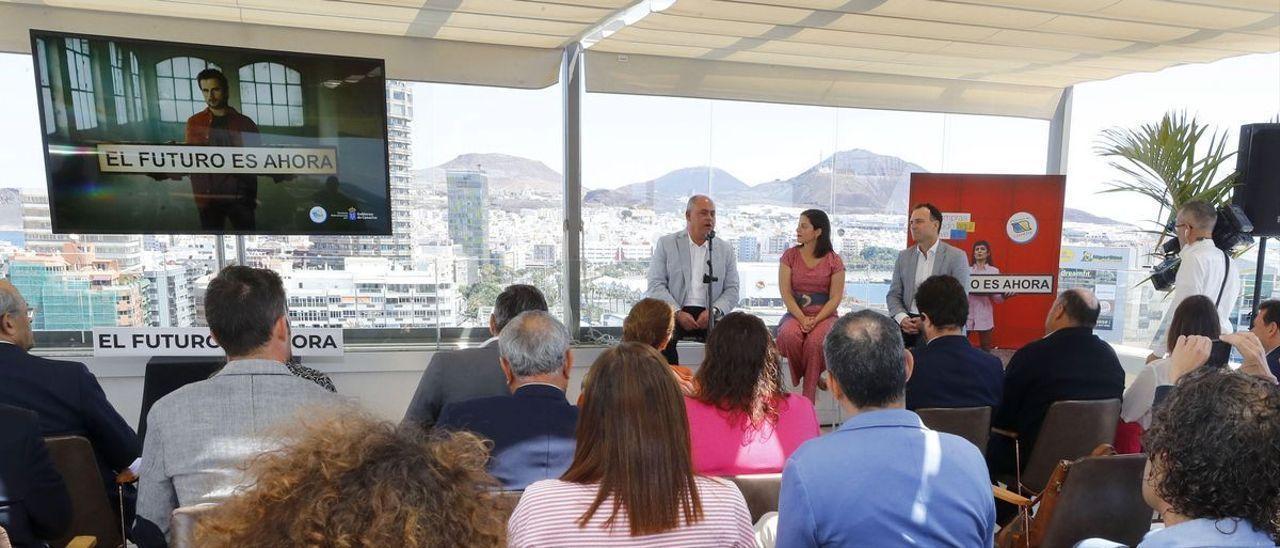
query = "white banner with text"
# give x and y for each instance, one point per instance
(196, 341)
(1026, 284)
(188, 159)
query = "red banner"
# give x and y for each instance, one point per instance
(1020, 217)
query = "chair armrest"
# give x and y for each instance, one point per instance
(1010, 497)
(1006, 433)
(83, 542)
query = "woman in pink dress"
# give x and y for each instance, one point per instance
(811, 280)
(981, 317)
(741, 421)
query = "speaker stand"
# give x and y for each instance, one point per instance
(1257, 276)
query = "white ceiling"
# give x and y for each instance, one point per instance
(981, 56)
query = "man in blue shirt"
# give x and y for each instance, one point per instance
(882, 478)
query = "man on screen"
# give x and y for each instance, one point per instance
(222, 197)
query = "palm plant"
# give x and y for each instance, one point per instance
(1172, 162)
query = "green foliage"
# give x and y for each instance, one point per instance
(1171, 162)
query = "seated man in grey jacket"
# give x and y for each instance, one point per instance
(470, 373)
(199, 436)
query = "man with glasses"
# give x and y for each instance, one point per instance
(1204, 270)
(930, 256)
(65, 395)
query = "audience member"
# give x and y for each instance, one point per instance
(34, 505)
(65, 396)
(470, 373)
(631, 482)
(1266, 325)
(1069, 363)
(950, 372)
(742, 422)
(351, 480)
(652, 321)
(1213, 468)
(1196, 315)
(199, 435)
(811, 283)
(532, 427)
(882, 478)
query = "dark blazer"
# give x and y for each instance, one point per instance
(455, 376)
(1273, 362)
(1070, 364)
(532, 432)
(69, 400)
(34, 504)
(950, 372)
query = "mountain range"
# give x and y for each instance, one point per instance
(864, 182)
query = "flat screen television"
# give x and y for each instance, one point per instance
(155, 137)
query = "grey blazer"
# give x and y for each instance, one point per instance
(902, 289)
(669, 272)
(456, 376)
(199, 436)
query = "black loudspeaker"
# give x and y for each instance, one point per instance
(1258, 190)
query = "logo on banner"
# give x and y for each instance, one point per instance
(1022, 227)
(318, 214)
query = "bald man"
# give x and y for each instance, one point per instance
(678, 274)
(1069, 363)
(65, 395)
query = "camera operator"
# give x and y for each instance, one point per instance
(1205, 269)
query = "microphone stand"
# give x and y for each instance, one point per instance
(709, 279)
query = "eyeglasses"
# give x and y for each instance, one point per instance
(31, 312)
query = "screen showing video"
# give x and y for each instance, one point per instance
(160, 137)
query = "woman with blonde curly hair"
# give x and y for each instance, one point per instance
(351, 480)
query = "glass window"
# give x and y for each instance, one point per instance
(763, 164)
(126, 88)
(46, 92)
(179, 92)
(271, 93)
(80, 76)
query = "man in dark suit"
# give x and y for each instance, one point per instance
(950, 372)
(471, 373)
(1070, 363)
(533, 427)
(1266, 325)
(34, 505)
(65, 395)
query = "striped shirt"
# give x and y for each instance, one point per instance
(548, 514)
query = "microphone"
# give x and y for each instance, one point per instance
(711, 235)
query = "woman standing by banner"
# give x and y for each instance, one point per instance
(811, 280)
(981, 307)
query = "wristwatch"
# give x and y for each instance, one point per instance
(716, 313)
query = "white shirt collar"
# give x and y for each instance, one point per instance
(704, 242)
(2, 341)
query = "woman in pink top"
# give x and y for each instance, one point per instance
(741, 422)
(981, 318)
(811, 280)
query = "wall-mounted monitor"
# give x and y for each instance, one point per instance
(161, 137)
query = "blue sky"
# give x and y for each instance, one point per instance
(631, 138)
